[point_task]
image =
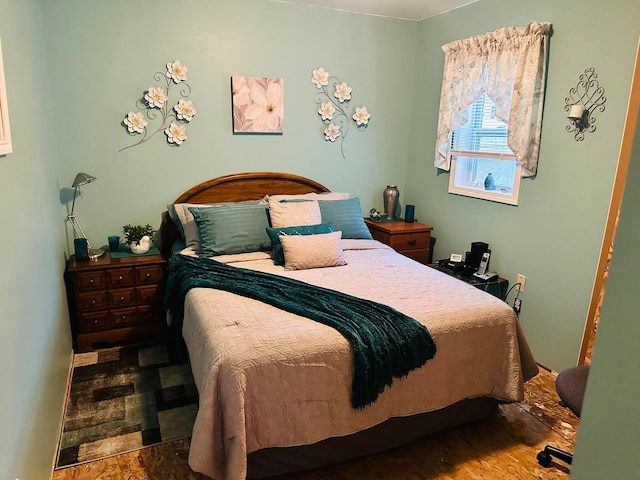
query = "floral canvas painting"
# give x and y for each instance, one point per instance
(258, 104)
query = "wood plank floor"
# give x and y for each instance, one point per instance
(504, 446)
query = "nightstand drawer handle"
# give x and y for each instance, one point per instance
(93, 302)
(91, 281)
(411, 242)
(124, 317)
(147, 275)
(121, 299)
(119, 277)
(95, 322)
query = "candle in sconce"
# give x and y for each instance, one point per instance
(576, 111)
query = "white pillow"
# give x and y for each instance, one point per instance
(312, 251)
(311, 196)
(294, 214)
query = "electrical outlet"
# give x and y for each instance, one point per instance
(520, 282)
(517, 306)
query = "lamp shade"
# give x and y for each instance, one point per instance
(82, 179)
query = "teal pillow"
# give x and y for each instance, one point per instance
(274, 235)
(183, 219)
(346, 216)
(232, 230)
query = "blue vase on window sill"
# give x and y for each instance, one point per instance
(489, 182)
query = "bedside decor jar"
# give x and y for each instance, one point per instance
(489, 182)
(81, 248)
(138, 237)
(390, 199)
(142, 246)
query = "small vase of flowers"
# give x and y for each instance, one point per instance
(138, 237)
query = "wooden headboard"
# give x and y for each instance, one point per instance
(235, 188)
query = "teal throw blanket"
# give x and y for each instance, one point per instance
(386, 343)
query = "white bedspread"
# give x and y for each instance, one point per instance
(268, 378)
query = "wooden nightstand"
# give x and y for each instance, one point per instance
(410, 239)
(115, 300)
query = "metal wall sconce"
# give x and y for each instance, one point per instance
(583, 101)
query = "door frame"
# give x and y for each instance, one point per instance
(633, 108)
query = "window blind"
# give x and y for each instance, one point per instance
(483, 135)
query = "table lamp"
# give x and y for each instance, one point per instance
(82, 179)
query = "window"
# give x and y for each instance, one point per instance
(482, 165)
(508, 67)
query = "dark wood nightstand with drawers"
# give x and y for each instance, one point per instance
(115, 300)
(410, 239)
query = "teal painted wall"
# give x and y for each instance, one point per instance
(609, 435)
(76, 67)
(102, 56)
(555, 234)
(35, 345)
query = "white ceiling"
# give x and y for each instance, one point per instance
(407, 9)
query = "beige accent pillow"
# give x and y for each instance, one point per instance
(312, 251)
(294, 214)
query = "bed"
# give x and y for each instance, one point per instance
(275, 387)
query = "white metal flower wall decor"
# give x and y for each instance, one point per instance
(155, 105)
(334, 107)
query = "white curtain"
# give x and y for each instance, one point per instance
(509, 65)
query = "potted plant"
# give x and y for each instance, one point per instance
(138, 237)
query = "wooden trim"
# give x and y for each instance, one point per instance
(624, 158)
(248, 186)
(5, 131)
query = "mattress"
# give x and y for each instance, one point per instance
(267, 378)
